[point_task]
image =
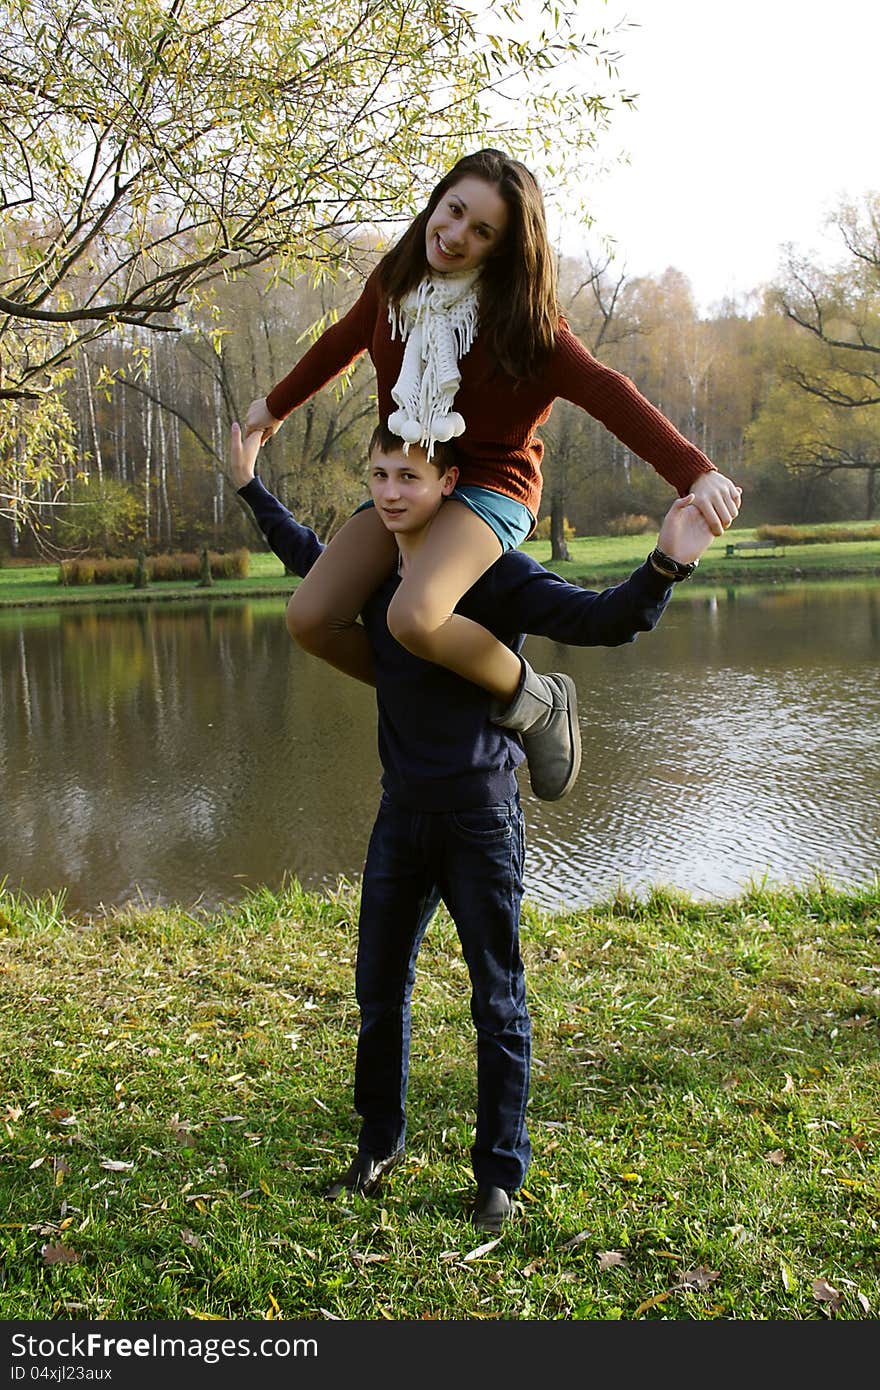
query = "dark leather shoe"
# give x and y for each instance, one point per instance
(491, 1209)
(365, 1175)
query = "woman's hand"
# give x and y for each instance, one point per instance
(717, 499)
(259, 417)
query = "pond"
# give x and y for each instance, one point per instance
(182, 753)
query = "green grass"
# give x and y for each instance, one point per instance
(704, 1114)
(596, 561)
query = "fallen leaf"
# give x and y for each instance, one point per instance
(824, 1292)
(609, 1258)
(776, 1156)
(190, 1238)
(789, 1084)
(59, 1254)
(699, 1278)
(651, 1302)
(866, 1307)
(480, 1251)
(116, 1165)
(575, 1240)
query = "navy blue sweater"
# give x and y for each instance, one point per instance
(438, 748)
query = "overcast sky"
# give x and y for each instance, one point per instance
(754, 117)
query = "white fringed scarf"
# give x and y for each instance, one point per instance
(437, 322)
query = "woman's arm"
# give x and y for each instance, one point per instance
(612, 398)
(336, 348)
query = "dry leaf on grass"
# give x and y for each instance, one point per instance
(480, 1251)
(575, 1240)
(776, 1156)
(824, 1292)
(608, 1259)
(652, 1302)
(59, 1254)
(699, 1278)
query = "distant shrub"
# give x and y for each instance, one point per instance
(542, 530)
(817, 535)
(180, 566)
(631, 524)
(77, 571)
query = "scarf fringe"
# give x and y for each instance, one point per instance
(437, 322)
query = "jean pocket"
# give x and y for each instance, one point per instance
(485, 824)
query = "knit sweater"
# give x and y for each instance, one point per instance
(438, 747)
(500, 448)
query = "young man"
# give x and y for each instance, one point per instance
(449, 825)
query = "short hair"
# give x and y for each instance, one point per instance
(443, 456)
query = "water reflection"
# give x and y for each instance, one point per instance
(177, 754)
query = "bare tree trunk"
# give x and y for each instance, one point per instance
(90, 402)
(147, 419)
(558, 545)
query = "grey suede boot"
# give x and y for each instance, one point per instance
(544, 713)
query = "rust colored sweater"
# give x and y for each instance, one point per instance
(499, 448)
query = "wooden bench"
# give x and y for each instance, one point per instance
(769, 548)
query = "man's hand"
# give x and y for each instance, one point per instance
(717, 498)
(260, 418)
(685, 533)
(242, 455)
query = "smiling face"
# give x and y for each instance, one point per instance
(466, 226)
(407, 489)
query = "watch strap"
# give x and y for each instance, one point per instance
(673, 570)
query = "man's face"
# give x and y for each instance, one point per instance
(407, 489)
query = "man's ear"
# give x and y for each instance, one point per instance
(450, 478)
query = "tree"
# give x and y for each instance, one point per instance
(149, 148)
(831, 376)
(589, 295)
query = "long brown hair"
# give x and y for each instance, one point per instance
(519, 309)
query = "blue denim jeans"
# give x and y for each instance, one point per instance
(473, 861)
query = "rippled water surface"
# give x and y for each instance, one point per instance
(179, 754)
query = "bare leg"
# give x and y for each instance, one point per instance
(323, 610)
(458, 548)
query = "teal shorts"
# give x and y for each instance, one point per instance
(511, 521)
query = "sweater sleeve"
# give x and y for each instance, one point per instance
(522, 596)
(613, 399)
(296, 546)
(335, 350)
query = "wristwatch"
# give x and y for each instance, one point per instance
(673, 570)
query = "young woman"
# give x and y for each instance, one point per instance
(462, 323)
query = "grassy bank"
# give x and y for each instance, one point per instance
(596, 562)
(704, 1116)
